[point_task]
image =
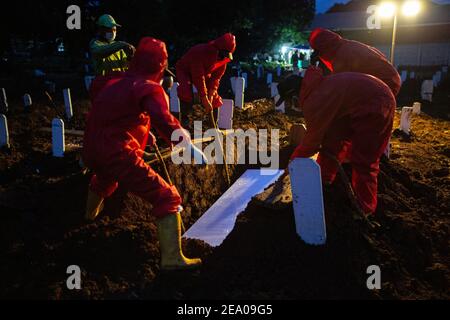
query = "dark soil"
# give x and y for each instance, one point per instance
(42, 201)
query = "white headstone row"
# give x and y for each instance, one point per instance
(4, 134)
(282, 107)
(417, 108)
(405, 120)
(58, 139)
(233, 84)
(3, 101)
(269, 78)
(225, 117)
(239, 94)
(88, 81)
(427, 90)
(174, 100)
(405, 123)
(404, 75)
(68, 103)
(307, 195)
(274, 89)
(27, 102)
(260, 71)
(437, 77)
(245, 76)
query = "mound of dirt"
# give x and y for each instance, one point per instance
(42, 201)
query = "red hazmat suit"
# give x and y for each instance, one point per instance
(342, 55)
(125, 107)
(348, 115)
(200, 67)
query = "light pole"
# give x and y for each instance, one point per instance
(410, 8)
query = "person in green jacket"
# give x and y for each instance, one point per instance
(107, 54)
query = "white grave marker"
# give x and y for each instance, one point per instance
(435, 84)
(412, 75)
(307, 198)
(269, 78)
(274, 89)
(427, 90)
(405, 120)
(174, 100)
(278, 71)
(68, 103)
(259, 71)
(225, 118)
(4, 135)
(437, 77)
(88, 82)
(27, 101)
(282, 107)
(58, 140)
(233, 84)
(239, 96)
(417, 106)
(245, 76)
(3, 101)
(404, 75)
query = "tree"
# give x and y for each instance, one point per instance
(258, 24)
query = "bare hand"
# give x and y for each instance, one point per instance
(130, 50)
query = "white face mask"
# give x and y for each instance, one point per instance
(110, 36)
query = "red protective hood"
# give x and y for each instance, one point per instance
(226, 42)
(326, 43)
(150, 59)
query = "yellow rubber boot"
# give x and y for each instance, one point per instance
(169, 235)
(94, 205)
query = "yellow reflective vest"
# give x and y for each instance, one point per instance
(108, 57)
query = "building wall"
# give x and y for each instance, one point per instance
(423, 54)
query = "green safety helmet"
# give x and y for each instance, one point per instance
(107, 21)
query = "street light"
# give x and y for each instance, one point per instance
(410, 8)
(387, 9)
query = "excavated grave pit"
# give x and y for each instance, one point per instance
(42, 201)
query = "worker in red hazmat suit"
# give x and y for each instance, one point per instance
(125, 106)
(342, 55)
(203, 66)
(346, 110)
